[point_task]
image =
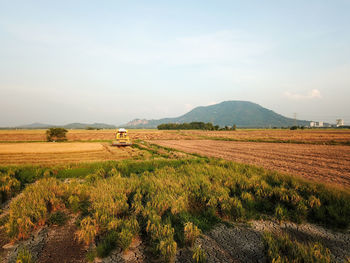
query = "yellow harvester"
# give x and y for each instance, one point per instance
(122, 138)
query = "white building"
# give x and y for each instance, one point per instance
(315, 124)
(340, 122)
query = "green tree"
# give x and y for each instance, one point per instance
(56, 135)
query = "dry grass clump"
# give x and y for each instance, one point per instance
(199, 255)
(24, 256)
(9, 185)
(283, 249)
(191, 233)
(32, 208)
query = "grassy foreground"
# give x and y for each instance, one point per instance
(166, 202)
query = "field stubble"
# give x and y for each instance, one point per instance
(55, 153)
(313, 136)
(89, 135)
(323, 163)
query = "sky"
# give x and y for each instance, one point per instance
(114, 61)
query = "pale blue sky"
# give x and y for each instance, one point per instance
(113, 61)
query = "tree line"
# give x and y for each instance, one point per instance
(188, 126)
(193, 126)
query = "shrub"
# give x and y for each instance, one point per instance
(191, 233)
(24, 256)
(56, 134)
(199, 255)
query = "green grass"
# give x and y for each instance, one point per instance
(108, 243)
(57, 218)
(24, 256)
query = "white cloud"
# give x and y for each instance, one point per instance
(313, 94)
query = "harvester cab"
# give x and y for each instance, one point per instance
(122, 138)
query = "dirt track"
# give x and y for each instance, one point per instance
(324, 163)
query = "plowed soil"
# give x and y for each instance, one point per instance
(325, 163)
(315, 136)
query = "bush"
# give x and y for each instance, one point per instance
(56, 135)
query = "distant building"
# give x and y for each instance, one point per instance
(340, 122)
(316, 124)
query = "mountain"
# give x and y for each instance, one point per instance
(242, 113)
(67, 126)
(35, 125)
(85, 125)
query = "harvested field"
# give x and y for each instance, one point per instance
(324, 163)
(330, 136)
(56, 153)
(90, 135)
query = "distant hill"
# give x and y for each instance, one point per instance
(67, 126)
(242, 113)
(35, 125)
